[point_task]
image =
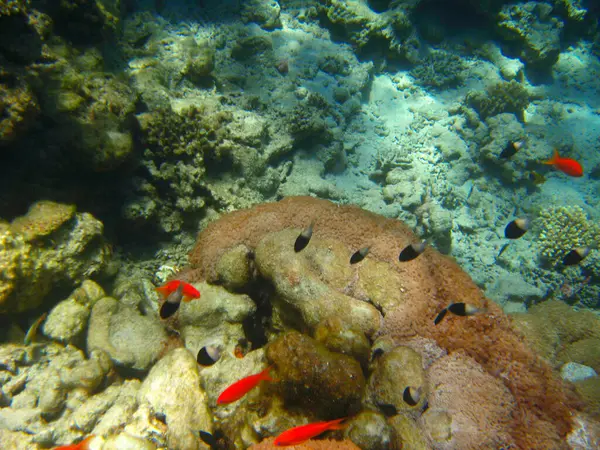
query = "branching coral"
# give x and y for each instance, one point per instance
(563, 228)
(502, 97)
(440, 69)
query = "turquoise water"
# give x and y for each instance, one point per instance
(129, 127)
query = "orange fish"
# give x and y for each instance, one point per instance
(240, 388)
(303, 433)
(565, 165)
(189, 291)
(83, 445)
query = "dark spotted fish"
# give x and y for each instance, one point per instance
(411, 251)
(411, 396)
(516, 228)
(172, 302)
(575, 256)
(359, 255)
(208, 355)
(303, 238)
(458, 309)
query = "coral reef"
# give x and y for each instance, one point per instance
(539, 32)
(440, 69)
(563, 228)
(409, 298)
(502, 97)
(51, 245)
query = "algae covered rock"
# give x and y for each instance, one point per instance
(302, 296)
(534, 26)
(131, 339)
(50, 245)
(369, 430)
(396, 373)
(312, 375)
(502, 97)
(68, 319)
(263, 12)
(173, 388)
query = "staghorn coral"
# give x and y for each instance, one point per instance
(515, 391)
(562, 228)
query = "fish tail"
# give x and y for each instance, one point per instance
(337, 425)
(163, 290)
(554, 158)
(265, 374)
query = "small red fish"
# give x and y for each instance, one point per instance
(240, 388)
(83, 445)
(303, 433)
(565, 165)
(189, 291)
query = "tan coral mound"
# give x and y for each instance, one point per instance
(323, 444)
(407, 297)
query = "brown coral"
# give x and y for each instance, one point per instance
(408, 295)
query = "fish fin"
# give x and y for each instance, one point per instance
(187, 298)
(554, 158)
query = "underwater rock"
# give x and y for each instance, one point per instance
(234, 268)
(50, 245)
(369, 430)
(177, 395)
(335, 334)
(394, 372)
(576, 372)
(251, 47)
(323, 381)
(131, 339)
(216, 319)
(535, 27)
(264, 12)
(17, 440)
(68, 319)
(407, 435)
(300, 288)
(119, 412)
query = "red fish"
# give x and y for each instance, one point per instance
(189, 291)
(83, 445)
(303, 433)
(240, 388)
(565, 165)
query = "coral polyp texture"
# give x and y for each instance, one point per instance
(563, 228)
(484, 386)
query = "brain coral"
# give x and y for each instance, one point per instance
(498, 391)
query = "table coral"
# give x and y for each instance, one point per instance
(496, 366)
